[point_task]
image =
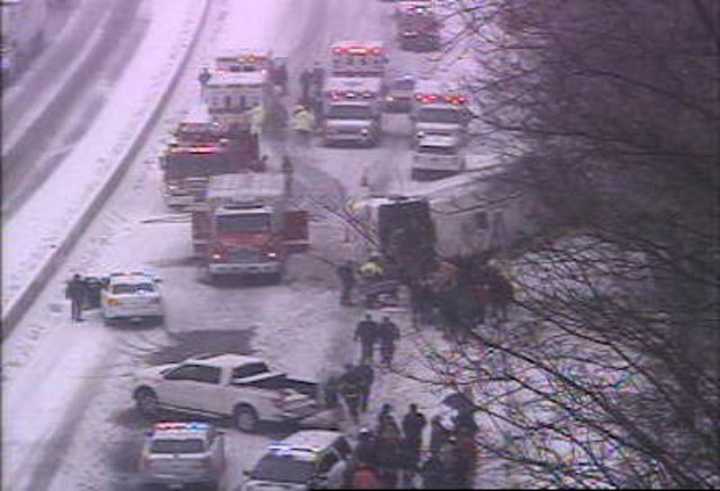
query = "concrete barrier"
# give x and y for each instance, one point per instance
(25, 298)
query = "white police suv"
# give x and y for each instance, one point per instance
(134, 296)
(180, 454)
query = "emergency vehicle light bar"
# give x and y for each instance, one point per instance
(357, 50)
(182, 426)
(452, 99)
(198, 150)
(348, 94)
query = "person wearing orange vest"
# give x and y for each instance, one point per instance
(366, 476)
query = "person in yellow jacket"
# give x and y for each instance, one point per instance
(372, 269)
(303, 123)
(257, 119)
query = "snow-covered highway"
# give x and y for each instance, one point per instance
(68, 417)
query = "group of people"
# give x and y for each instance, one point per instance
(453, 453)
(371, 333)
(389, 454)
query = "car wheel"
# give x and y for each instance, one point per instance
(147, 402)
(245, 418)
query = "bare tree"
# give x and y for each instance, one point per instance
(607, 373)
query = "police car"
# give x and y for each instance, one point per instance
(178, 454)
(307, 459)
(132, 295)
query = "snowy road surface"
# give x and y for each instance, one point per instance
(68, 418)
(38, 231)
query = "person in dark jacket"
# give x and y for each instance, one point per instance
(413, 424)
(367, 375)
(366, 332)
(281, 77)
(318, 78)
(350, 389)
(76, 291)
(387, 447)
(305, 80)
(433, 473)
(408, 460)
(346, 274)
(388, 334)
(365, 448)
(331, 392)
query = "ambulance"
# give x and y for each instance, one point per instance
(358, 58)
(352, 109)
(239, 81)
(438, 109)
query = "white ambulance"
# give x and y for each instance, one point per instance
(438, 109)
(352, 109)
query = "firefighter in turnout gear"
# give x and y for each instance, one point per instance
(303, 123)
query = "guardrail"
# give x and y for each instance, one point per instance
(24, 299)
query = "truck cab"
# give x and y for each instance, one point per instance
(437, 157)
(438, 110)
(244, 226)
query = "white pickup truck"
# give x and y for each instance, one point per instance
(226, 385)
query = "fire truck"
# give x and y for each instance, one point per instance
(418, 27)
(200, 147)
(439, 110)
(358, 59)
(243, 225)
(239, 81)
(352, 108)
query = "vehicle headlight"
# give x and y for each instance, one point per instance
(364, 131)
(419, 134)
(271, 255)
(216, 257)
(113, 301)
(389, 98)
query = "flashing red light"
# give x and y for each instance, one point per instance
(376, 51)
(338, 51)
(357, 51)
